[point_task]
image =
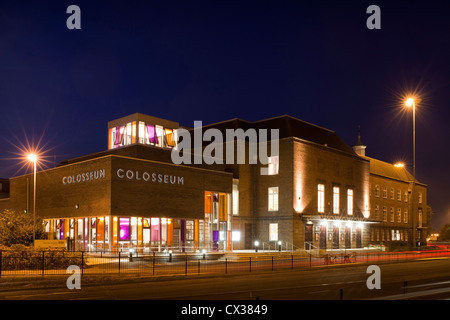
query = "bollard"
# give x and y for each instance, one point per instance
(119, 262)
(43, 263)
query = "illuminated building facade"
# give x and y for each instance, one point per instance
(391, 203)
(315, 192)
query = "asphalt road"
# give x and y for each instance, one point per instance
(420, 279)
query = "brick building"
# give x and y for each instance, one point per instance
(391, 203)
(315, 192)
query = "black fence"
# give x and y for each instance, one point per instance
(41, 263)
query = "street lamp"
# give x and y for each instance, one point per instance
(411, 102)
(32, 157)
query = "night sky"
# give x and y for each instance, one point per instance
(218, 60)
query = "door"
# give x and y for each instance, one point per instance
(358, 238)
(348, 239)
(146, 238)
(335, 244)
(308, 236)
(323, 237)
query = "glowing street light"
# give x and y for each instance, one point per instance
(32, 157)
(411, 102)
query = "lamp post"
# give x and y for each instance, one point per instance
(410, 102)
(32, 157)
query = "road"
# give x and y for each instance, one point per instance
(424, 279)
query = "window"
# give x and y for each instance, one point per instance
(420, 218)
(273, 231)
(405, 196)
(420, 197)
(377, 191)
(395, 235)
(321, 198)
(384, 192)
(273, 199)
(336, 200)
(399, 195)
(350, 201)
(155, 229)
(235, 198)
(235, 236)
(189, 230)
(399, 215)
(273, 165)
(392, 215)
(124, 229)
(405, 216)
(377, 211)
(384, 213)
(392, 194)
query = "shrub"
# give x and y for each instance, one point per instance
(19, 257)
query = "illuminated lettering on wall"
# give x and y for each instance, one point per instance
(84, 177)
(149, 177)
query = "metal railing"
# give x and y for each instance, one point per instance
(41, 263)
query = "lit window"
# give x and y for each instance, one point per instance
(392, 215)
(385, 192)
(235, 199)
(377, 191)
(336, 200)
(321, 198)
(377, 211)
(399, 215)
(420, 218)
(350, 201)
(189, 230)
(395, 235)
(273, 165)
(392, 194)
(399, 195)
(273, 231)
(236, 236)
(160, 135)
(384, 213)
(405, 216)
(142, 133)
(273, 199)
(420, 197)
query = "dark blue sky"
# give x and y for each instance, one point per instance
(216, 60)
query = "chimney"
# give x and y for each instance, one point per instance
(360, 148)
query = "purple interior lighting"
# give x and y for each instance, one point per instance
(124, 229)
